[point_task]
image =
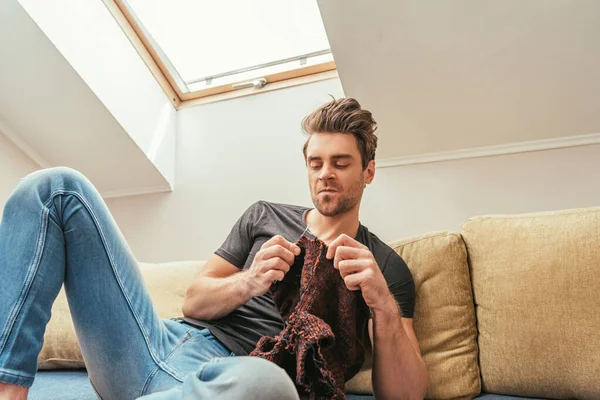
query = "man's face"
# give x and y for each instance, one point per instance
(335, 174)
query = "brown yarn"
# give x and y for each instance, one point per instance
(322, 343)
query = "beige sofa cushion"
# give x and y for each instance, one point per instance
(536, 281)
(166, 283)
(361, 382)
(444, 318)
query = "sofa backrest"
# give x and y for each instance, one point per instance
(444, 315)
(444, 318)
(536, 285)
(167, 284)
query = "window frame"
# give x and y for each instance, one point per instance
(166, 74)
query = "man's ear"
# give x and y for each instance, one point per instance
(370, 172)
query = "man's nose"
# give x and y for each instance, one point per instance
(326, 173)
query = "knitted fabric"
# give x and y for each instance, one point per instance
(322, 342)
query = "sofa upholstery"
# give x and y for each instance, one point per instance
(536, 282)
(74, 385)
(444, 318)
(507, 306)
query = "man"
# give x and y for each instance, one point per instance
(57, 229)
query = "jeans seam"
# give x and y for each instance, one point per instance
(8, 376)
(95, 390)
(200, 372)
(33, 268)
(15, 375)
(186, 336)
(148, 380)
(110, 256)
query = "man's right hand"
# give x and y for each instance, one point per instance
(270, 264)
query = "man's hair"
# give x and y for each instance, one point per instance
(344, 116)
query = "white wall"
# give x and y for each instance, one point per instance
(409, 200)
(14, 165)
(233, 153)
(229, 154)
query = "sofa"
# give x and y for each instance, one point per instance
(507, 308)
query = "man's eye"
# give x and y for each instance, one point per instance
(340, 166)
(315, 166)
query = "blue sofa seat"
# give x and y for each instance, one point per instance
(74, 385)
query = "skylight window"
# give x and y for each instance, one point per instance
(208, 47)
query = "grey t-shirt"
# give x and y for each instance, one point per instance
(241, 329)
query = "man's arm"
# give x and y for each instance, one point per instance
(218, 289)
(398, 369)
(221, 287)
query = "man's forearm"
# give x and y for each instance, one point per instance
(211, 298)
(398, 369)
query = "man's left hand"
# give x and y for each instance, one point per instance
(359, 270)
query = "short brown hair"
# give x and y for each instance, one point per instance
(344, 116)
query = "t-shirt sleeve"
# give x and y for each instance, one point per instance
(400, 283)
(236, 248)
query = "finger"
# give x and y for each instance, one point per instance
(278, 251)
(348, 267)
(277, 239)
(274, 275)
(348, 253)
(353, 281)
(343, 240)
(278, 264)
(280, 240)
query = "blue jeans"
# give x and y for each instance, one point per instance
(56, 230)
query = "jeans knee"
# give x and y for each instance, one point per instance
(56, 178)
(62, 174)
(39, 185)
(266, 380)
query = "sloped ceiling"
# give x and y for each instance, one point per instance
(447, 75)
(46, 106)
(438, 76)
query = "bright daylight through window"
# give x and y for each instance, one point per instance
(209, 47)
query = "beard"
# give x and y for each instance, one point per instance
(340, 203)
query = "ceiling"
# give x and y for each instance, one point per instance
(446, 75)
(439, 76)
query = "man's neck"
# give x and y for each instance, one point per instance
(328, 229)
